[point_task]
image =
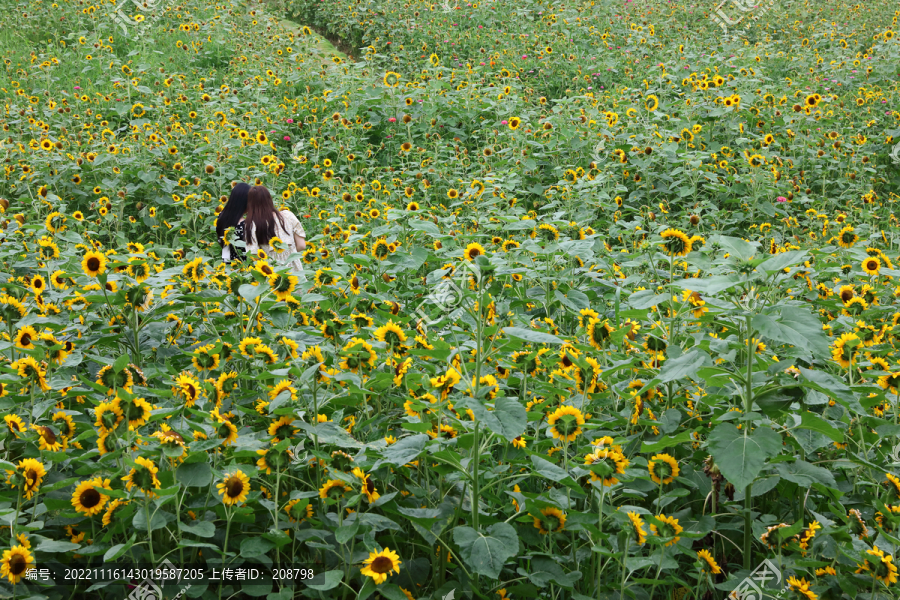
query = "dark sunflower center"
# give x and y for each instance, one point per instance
(382, 564)
(93, 263)
(90, 498)
(48, 435)
(234, 486)
(17, 564)
(26, 339)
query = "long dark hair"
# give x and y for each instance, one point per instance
(261, 215)
(233, 211)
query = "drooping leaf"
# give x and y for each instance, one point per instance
(805, 474)
(684, 366)
(486, 554)
(742, 456)
(406, 450)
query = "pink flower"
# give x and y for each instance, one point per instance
(482, 64)
(287, 138)
(504, 122)
(392, 120)
(77, 87)
(290, 120)
(781, 199)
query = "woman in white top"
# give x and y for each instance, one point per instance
(263, 224)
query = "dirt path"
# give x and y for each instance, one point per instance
(317, 44)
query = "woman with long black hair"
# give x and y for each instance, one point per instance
(279, 234)
(232, 216)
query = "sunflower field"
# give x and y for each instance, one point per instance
(600, 300)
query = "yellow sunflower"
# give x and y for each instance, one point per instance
(565, 423)
(668, 528)
(381, 564)
(87, 499)
(93, 264)
(663, 469)
(16, 562)
(234, 488)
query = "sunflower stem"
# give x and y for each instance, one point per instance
(149, 529)
(228, 515)
(748, 406)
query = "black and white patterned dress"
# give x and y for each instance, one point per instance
(229, 252)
